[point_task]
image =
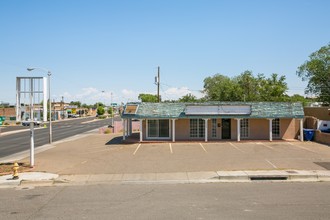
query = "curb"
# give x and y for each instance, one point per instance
(28, 179)
(32, 179)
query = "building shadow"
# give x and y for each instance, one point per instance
(134, 138)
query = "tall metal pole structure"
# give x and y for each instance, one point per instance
(50, 110)
(31, 125)
(158, 83)
(50, 102)
(111, 106)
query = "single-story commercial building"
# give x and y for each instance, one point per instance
(215, 121)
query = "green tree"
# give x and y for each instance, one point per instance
(245, 87)
(98, 104)
(100, 110)
(316, 71)
(188, 98)
(148, 97)
(274, 88)
(110, 110)
(248, 86)
(219, 88)
(77, 103)
(297, 98)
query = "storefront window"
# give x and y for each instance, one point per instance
(276, 127)
(244, 128)
(197, 128)
(158, 128)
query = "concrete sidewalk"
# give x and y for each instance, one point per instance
(100, 158)
(33, 179)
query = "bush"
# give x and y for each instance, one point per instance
(108, 131)
(100, 110)
(102, 117)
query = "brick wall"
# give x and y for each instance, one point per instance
(8, 112)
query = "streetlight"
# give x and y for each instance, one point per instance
(111, 106)
(49, 98)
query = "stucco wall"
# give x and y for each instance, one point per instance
(258, 129)
(322, 113)
(118, 126)
(290, 128)
(322, 137)
(182, 129)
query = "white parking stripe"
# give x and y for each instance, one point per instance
(202, 147)
(236, 147)
(271, 164)
(266, 145)
(305, 149)
(137, 149)
(171, 148)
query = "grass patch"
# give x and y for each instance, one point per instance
(6, 168)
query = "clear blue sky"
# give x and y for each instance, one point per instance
(116, 46)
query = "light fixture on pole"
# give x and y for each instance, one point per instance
(50, 102)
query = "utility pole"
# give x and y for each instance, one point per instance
(158, 83)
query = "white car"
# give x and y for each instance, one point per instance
(27, 123)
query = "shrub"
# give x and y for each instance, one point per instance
(108, 131)
(102, 117)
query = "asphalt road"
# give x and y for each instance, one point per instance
(177, 201)
(18, 142)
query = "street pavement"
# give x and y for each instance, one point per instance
(94, 158)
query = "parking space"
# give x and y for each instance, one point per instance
(202, 156)
(95, 154)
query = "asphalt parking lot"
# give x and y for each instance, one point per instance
(94, 155)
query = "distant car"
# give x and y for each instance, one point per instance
(27, 122)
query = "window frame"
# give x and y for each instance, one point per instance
(214, 128)
(276, 128)
(244, 128)
(158, 130)
(199, 128)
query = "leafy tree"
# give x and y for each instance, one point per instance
(100, 110)
(245, 87)
(248, 86)
(148, 97)
(274, 89)
(77, 103)
(297, 98)
(188, 98)
(219, 87)
(85, 106)
(317, 72)
(110, 110)
(98, 104)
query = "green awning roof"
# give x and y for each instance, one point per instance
(178, 110)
